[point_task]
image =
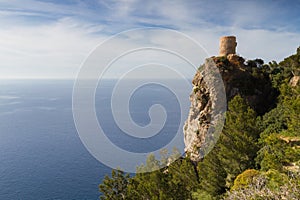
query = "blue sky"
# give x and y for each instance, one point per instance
(51, 38)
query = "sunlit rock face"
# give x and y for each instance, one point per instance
(295, 81)
(197, 124)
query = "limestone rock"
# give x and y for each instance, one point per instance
(295, 81)
(238, 79)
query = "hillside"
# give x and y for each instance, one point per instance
(257, 155)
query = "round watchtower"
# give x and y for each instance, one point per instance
(227, 45)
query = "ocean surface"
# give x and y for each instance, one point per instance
(41, 154)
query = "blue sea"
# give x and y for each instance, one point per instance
(41, 154)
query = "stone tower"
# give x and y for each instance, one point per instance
(227, 45)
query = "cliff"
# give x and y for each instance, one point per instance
(246, 79)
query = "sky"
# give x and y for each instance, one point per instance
(52, 38)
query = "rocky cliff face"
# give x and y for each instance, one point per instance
(239, 77)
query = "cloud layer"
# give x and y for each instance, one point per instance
(50, 39)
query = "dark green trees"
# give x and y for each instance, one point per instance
(238, 142)
(280, 139)
(115, 188)
(234, 152)
(212, 175)
(177, 181)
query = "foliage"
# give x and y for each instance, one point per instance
(212, 175)
(238, 142)
(202, 195)
(266, 185)
(280, 134)
(276, 153)
(234, 152)
(177, 181)
(244, 179)
(114, 188)
(254, 158)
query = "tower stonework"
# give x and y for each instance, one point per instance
(227, 45)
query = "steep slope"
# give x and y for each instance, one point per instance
(247, 79)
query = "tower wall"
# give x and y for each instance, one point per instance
(227, 45)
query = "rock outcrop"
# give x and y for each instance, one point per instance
(295, 80)
(197, 124)
(239, 78)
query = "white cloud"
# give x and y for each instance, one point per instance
(52, 50)
(63, 35)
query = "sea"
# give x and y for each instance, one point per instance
(41, 154)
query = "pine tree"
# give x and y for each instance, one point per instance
(114, 188)
(211, 174)
(238, 141)
(234, 152)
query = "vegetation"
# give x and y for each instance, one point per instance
(256, 157)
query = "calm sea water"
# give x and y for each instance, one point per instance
(41, 155)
